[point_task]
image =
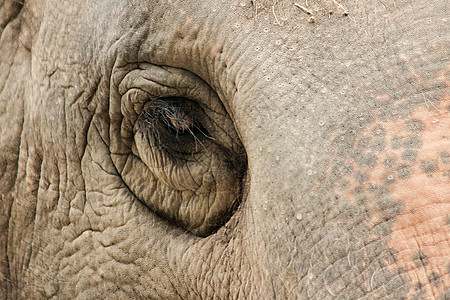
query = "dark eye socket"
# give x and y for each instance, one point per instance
(181, 118)
(178, 124)
(176, 146)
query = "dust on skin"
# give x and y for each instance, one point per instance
(406, 161)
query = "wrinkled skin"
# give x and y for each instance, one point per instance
(317, 165)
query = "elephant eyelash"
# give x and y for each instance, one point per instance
(177, 118)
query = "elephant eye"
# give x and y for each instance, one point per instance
(177, 147)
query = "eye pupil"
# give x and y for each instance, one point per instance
(176, 117)
(181, 120)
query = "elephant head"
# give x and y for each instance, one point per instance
(224, 149)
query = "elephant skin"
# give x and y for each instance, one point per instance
(247, 149)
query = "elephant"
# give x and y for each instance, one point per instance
(232, 149)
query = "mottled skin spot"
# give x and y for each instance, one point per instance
(420, 259)
(409, 155)
(369, 160)
(389, 162)
(414, 126)
(445, 296)
(403, 171)
(445, 157)
(418, 286)
(396, 142)
(390, 178)
(363, 144)
(420, 290)
(429, 166)
(378, 145)
(434, 279)
(412, 142)
(361, 177)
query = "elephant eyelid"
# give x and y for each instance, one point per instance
(146, 82)
(163, 81)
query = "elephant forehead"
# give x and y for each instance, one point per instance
(266, 49)
(285, 72)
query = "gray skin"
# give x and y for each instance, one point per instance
(224, 150)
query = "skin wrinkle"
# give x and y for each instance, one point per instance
(367, 268)
(10, 141)
(161, 166)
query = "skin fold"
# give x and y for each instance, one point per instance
(224, 149)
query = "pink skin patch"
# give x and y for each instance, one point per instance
(414, 167)
(421, 233)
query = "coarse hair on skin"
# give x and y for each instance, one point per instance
(177, 118)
